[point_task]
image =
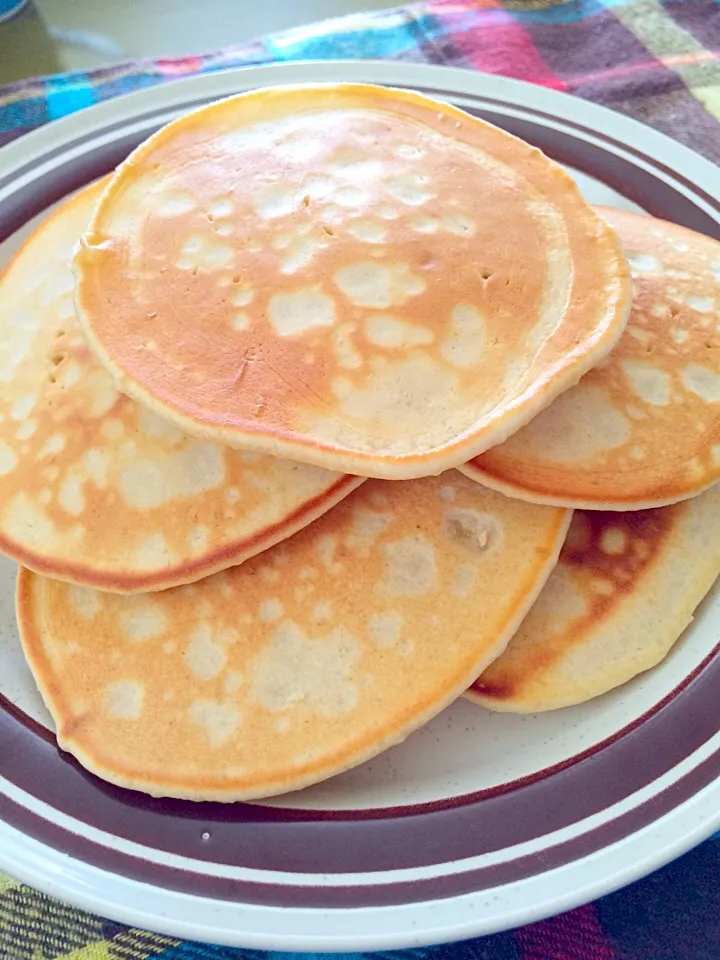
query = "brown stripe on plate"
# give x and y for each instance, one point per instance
(265, 838)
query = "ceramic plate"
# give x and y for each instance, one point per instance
(480, 821)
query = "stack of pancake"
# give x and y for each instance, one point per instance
(296, 409)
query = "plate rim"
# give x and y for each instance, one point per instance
(88, 880)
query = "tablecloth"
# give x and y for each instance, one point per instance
(656, 60)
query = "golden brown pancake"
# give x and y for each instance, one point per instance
(643, 428)
(624, 589)
(94, 488)
(303, 661)
(372, 281)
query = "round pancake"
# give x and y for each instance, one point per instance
(94, 488)
(372, 281)
(624, 589)
(303, 661)
(643, 428)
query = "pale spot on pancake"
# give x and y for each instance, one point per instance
(243, 296)
(648, 381)
(403, 391)
(715, 454)
(408, 151)
(223, 228)
(322, 613)
(45, 496)
(155, 426)
(643, 263)
(26, 430)
(679, 245)
(367, 527)
(562, 603)
(387, 212)
(221, 206)
(22, 406)
(369, 284)
(637, 452)
(71, 495)
(350, 197)
(232, 681)
(153, 552)
(8, 458)
(51, 473)
(411, 567)
(112, 428)
(341, 387)
(141, 619)
(715, 269)
(458, 223)
(386, 629)
(84, 601)
(204, 658)
(200, 252)
(411, 189)
(635, 413)
(326, 546)
(282, 725)
(464, 581)
(270, 610)
(387, 331)
(199, 539)
(613, 541)
(102, 393)
(294, 669)
(169, 647)
(232, 495)
(316, 186)
(197, 468)
(701, 304)
(240, 321)
(219, 720)
(425, 224)
(293, 313)
(124, 699)
(368, 231)
(466, 341)
(276, 200)
(300, 254)
(447, 493)
(580, 425)
(701, 381)
(173, 203)
(144, 485)
(679, 335)
(343, 348)
(602, 586)
(476, 532)
(68, 374)
(96, 462)
(637, 333)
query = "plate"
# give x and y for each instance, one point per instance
(480, 821)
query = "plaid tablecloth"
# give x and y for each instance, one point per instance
(656, 61)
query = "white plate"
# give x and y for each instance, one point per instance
(480, 821)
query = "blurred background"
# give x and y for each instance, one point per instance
(52, 36)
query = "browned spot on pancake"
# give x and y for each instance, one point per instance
(600, 577)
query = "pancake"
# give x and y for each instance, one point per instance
(97, 490)
(642, 429)
(303, 661)
(624, 589)
(372, 281)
